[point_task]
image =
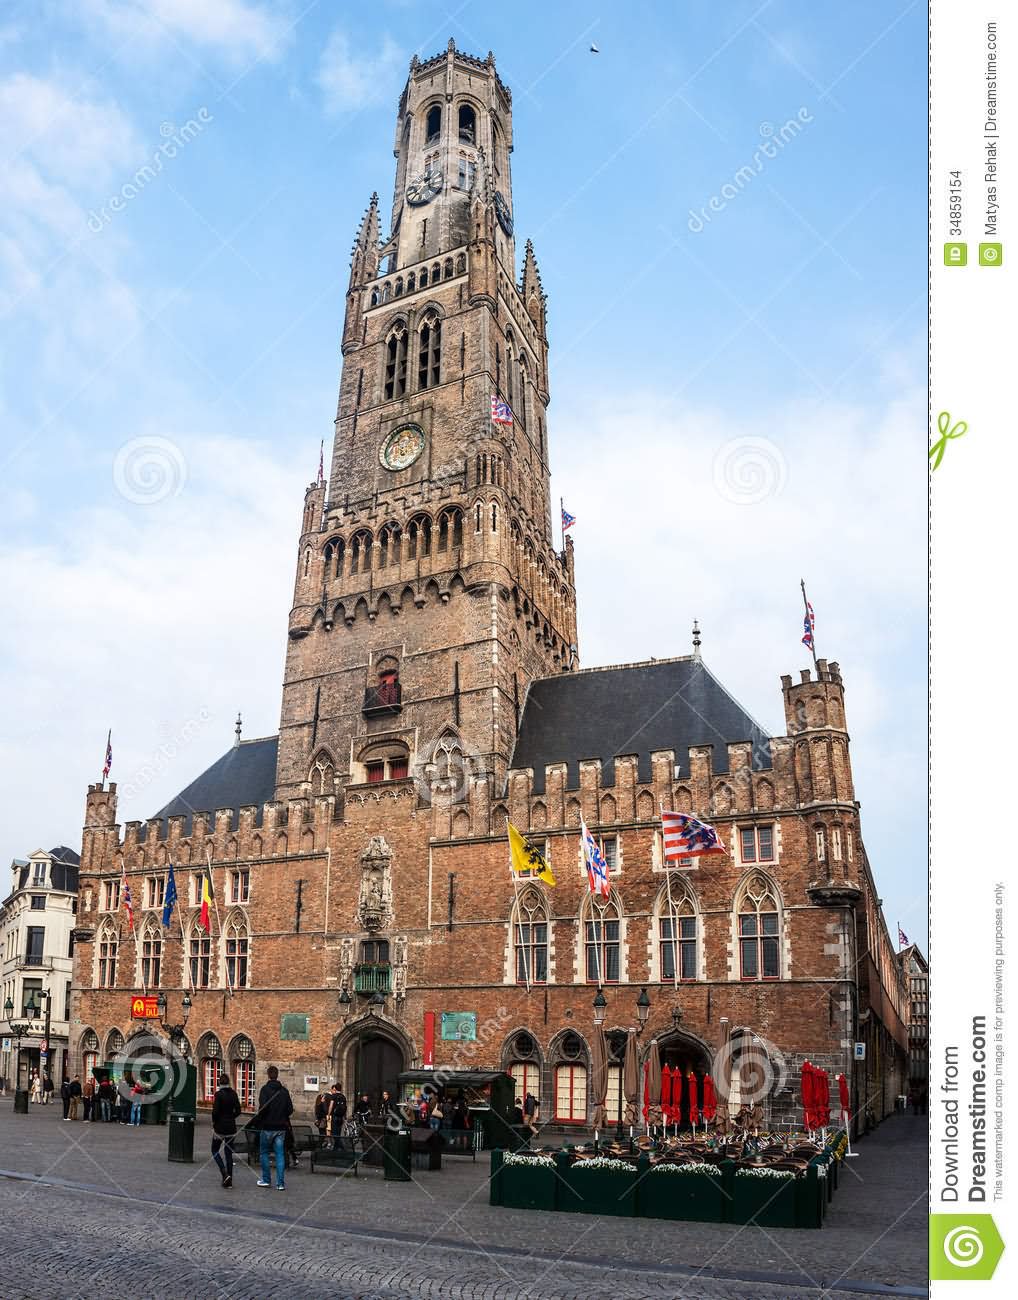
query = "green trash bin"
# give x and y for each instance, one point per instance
(396, 1155)
(181, 1138)
(21, 1101)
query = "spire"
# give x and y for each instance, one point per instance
(364, 255)
(696, 639)
(236, 730)
(531, 289)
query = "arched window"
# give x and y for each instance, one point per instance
(360, 552)
(424, 277)
(478, 510)
(210, 1065)
(677, 936)
(386, 291)
(411, 282)
(759, 931)
(530, 938)
(151, 954)
(450, 529)
(524, 391)
(467, 124)
(429, 361)
(398, 289)
(602, 944)
(114, 1044)
(448, 269)
(374, 297)
(89, 1052)
(466, 174)
(334, 555)
(200, 958)
(237, 942)
(494, 516)
(571, 1094)
(510, 367)
(395, 361)
(389, 545)
(461, 263)
(436, 272)
(419, 537)
(108, 945)
(242, 1064)
(433, 124)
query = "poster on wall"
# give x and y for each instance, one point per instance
(459, 1026)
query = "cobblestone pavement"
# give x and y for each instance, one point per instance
(91, 1209)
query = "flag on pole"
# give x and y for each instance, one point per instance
(501, 412)
(206, 900)
(321, 463)
(525, 858)
(685, 837)
(597, 868)
(808, 627)
(125, 895)
(109, 754)
(169, 897)
(902, 937)
(567, 519)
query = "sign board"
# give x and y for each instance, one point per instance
(144, 1008)
(859, 1054)
(459, 1026)
(294, 1028)
(311, 1083)
(6, 1045)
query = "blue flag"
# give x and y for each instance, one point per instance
(170, 896)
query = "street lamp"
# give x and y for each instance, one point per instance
(642, 1009)
(18, 1031)
(345, 1003)
(33, 1011)
(600, 1007)
(174, 1032)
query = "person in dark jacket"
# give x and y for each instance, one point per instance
(65, 1097)
(225, 1109)
(362, 1110)
(337, 1112)
(274, 1111)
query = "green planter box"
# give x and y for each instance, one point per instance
(770, 1202)
(597, 1191)
(528, 1186)
(811, 1195)
(696, 1198)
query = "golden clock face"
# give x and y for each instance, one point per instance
(402, 447)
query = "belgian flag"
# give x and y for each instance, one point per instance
(204, 920)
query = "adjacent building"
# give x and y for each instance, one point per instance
(37, 921)
(365, 924)
(916, 972)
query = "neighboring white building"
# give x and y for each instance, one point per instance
(37, 945)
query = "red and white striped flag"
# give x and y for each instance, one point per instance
(685, 837)
(125, 896)
(902, 938)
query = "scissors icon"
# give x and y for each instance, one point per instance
(946, 431)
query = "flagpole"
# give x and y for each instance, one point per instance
(183, 944)
(516, 894)
(215, 900)
(561, 521)
(671, 906)
(809, 619)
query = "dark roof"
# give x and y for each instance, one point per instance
(246, 774)
(450, 1078)
(602, 713)
(63, 872)
(64, 854)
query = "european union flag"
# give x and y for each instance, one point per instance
(170, 896)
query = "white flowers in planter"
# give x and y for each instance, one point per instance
(605, 1162)
(541, 1162)
(764, 1172)
(697, 1167)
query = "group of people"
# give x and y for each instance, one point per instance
(97, 1099)
(271, 1122)
(526, 1112)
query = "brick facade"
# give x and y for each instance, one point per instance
(428, 597)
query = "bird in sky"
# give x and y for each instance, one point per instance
(594, 50)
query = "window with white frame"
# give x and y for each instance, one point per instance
(610, 852)
(677, 930)
(757, 843)
(39, 873)
(571, 1094)
(602, 941)
(237, 943)
(821, 843)
(110, 896)
(759, 937)
(155, 890)
(240, 886)
(531, 938)
(200, 958)
(151, 957)
(108, 957)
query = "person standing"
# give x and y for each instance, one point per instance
(530, 1109)
(47, 1088)
(36, 1089)
(362, 1110)
(225, 1109)
(65, 1097)
(88, 1097)
(138, 1091)
(337, 1111)
(274, 1109)
(107, 1096)
(75, 1095)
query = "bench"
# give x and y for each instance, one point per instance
(343, 1156)
(426, 1149)
(460, 1142)
(248, 1141)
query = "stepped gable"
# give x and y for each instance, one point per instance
(600, 713)
(246, 774)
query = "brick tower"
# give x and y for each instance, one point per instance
(429, 593)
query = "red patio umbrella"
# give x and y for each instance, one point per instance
(678, 1079)
(844, 1095)
(694, 1111)
(666, 1094)
(807, 1093)
(710, 1100)
(825, 1099)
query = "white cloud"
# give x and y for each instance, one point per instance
(351, 79)
(232, 29)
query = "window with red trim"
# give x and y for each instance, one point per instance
(571, 1094)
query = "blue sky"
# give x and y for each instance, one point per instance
(734, 407)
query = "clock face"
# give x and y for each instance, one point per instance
(505, 217)
(402, 447)
(422, 189)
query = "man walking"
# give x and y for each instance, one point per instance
(274, 1109)
(225, 1109)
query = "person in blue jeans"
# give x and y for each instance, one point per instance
(138, 1092)
(274, 1109)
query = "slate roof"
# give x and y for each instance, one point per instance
(63, 872)
(246, 774)
(632, 709)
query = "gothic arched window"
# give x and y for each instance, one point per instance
(334, 554)
(759, 919)
(433, 124)
(467, 124)
(242, 1063)
(395, 361)
(510, 366)
(211, 1065)
(424, 277)
(677, 936)
(602, 940)
(200, 957)
(530, 938)
(450, 529)
(237, 941)
(151, 954)
(429, 362)
(89, 1052)
(411, 282)
(389, 545)
(397, 291)
(419, 537)
(108, 945)
(360, 552)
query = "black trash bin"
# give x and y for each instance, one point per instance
(21, 1101)
(396, 1155)
(181, 1138)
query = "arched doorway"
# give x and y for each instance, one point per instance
(688, 1055)
(378, 1064)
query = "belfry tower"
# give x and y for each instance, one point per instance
(429, 593)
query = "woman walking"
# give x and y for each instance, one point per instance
(225, 1109)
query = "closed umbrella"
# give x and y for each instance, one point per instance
(825, 1099)
(654, 1080)
(666, 1094)
(694, 1110)
(844, 1098)
(631, 1079)
(710, 1100)
(599, 1077)
(646, 1094)
(806, 1092)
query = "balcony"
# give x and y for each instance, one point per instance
(372, 978)
(385, 698)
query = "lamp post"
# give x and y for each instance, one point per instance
(33, 1011)
(18, 1031)
(173, 1032)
